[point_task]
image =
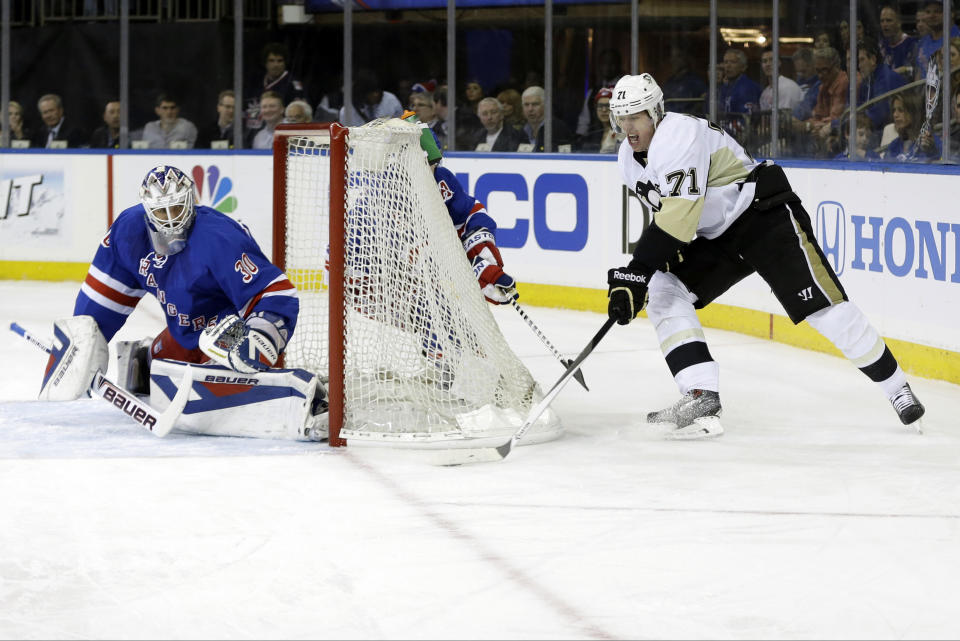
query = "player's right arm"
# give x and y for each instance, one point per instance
(110, 292)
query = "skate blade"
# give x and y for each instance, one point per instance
(703, 427)
(917, 425)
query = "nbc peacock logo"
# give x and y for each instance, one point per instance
(214, 190)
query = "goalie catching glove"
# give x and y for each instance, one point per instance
(497, 286)
(248, 346)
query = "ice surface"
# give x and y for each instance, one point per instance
(817, 515)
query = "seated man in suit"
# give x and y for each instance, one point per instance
(494, 136)
(55, 125)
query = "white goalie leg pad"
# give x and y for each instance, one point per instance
(79, 350)
(277, 404)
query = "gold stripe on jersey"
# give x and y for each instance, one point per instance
(817, 269)
(680, 217)
(725, 168)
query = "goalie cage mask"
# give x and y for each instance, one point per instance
(167, 195)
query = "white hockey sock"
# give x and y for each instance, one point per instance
(680, 333)
(848, 329)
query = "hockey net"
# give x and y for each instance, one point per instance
(390, 311)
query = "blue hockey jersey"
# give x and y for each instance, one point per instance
(221, 271)
(466, 212)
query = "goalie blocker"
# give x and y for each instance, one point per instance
(277, 404)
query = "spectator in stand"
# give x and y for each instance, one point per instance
(370, 101)
(494, 135)
(808, 81)
(473, 94)
(512, 108)
(55, 124)
(108, 136)
(609, 70)
(908, 119)
(955, 127)
(422, 104)
(169, 128)
(18, 131)
(277, 79)
(865, 149)
(221, 128)
(739, 94)
(603, 139)
(468, 124)
(933, 41)
(876, 79)
(899, 50)
(921, 28)
(824, 37)
(683, 83)
(330, 103)
(298, 112)
(832, 97)
(533, 112)
(789, 94)
(844, 30)
(271, 111)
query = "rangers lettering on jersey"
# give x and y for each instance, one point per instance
(194, 287)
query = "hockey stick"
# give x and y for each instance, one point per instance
(488, 454)
(159, 423)
(541, 407)
(536, 330)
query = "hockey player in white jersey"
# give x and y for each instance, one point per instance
(719, 216)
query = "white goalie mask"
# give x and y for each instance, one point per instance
(167, 195)
(633, 94)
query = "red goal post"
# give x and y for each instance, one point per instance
(391, 316)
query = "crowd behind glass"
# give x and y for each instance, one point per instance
(813, 100)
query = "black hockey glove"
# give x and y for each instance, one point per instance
(627, 294)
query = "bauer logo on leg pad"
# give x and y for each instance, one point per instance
(80, 350)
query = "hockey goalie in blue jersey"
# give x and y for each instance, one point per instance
(221, 298)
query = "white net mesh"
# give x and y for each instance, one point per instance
(424, 359)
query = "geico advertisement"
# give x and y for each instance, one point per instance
(560, 222)
(43, 214)
(239, 186)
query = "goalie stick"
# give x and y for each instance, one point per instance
(158, 423)
(488, 454)
(536, 330)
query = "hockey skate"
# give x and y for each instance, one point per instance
(695, 415)
(908, 407)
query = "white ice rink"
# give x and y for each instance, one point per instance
(817, 515)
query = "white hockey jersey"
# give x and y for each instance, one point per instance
(698, 170)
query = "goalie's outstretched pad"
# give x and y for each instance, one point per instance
(79, 351)
(280, 403)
